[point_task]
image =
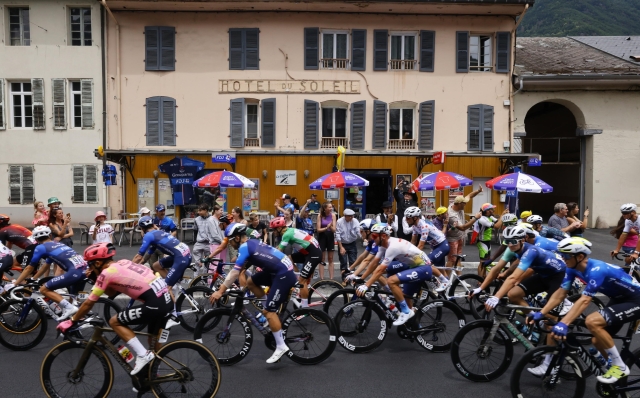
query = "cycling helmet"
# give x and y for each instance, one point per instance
(277, 222)
(226, 218)
(412, 211)
(535, 219)
(235, 229)
(145, 223)
(382, 228)
(441, 210)
(99, 251)
(625, 208)
(575, 245)
(528, 229)
(509, 218)
(40, 232)
(365, 225)
(514, 232)
(525, 214)
(4, 219)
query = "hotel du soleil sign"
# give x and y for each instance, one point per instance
(289, 86)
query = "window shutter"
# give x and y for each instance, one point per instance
(473, 122)
(251, 49)
(311, 39)
(167, 48)
(78, 184)
(153, 121)
(91, 180)
(425, 137)
(462, 52)
(358, 114)
(427, 45)
(58, 87)
(86, 95)
(379, 125)
(311, 111)
(168, 121)
(152, 48)
(487, 128)
(236, 50)
(380, 49)
(15, 185)
(237, 123)
(2, 120)
(37, 87)
(359, 49)
(28, 192)
(268, 122)
(503, 45)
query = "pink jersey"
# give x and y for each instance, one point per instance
(128, 278)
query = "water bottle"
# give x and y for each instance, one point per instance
(262, 319)
(125, 353)
(55, 308)
(535, 337)
(524, 329)
(541, 298)
(389, 303)
(602, 361)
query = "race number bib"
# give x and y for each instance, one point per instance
(78, 261)
(159, 287)
(183, 249)
(287, 261)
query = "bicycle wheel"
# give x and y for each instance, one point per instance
(460, 289)
(477, 306)
(477, 359)
(634, 375)
(569, 379)
(105, 309)
(443, 321)
(24, 324)
(95, 380)
(320, 291)
(186, 368)
(192, 305)
(361, 326)
(200, 280)
(229, 344)
(337, 300)
(310, 336)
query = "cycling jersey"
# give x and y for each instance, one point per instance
(165, 243)
(605, 278)
(299, 240)
(128, 278)
(629, 225)
(254, 252)
(404, 252)
(371, 248)
(428, 233)
(546, 244)
(552, 233)
(17, 235)
(60, 254)
(484, 227)
(543, 262)
(166, 224)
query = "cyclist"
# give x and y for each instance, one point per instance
(428, 233)
(14, 234)
(524, 216)
(405, 264)
(534, 238)
(137, 282)
(631, 221)
(6, 261)
(369, 252)
(276, 271)
(604, 278)
(508, 219)
(307, 252)
(483, 228)
(545, 231)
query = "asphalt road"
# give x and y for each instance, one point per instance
(397, 368)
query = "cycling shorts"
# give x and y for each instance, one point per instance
(73, 280)
(281, 285)
(25, 257)
(438, 255)
(538, 284)
(484, 249)
(5, 264)
(411, 278)
(154, 312)
(178, 265)
(310, 261)
(618, 312)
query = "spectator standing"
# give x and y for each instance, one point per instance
(238, 217)
(441, 220)
(573, 211)
(60, 226)
(456, 235)
(484, 227)
(347, 233)
(631, 241)
(559, 219)
(524, 215)
(296, 205)
(304, 221)
(404, 198)
(256, 229)
(326, 228)
(53, 202)
(101, 232)
(163, 222)
(312, 204)
(388, 217)
(287, 205)
(219, 222)
(40, 215)
(204, 235)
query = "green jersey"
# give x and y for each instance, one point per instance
(299, 240)
(484, 227)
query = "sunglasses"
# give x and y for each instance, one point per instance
(626, 213)
(566, 256)
(510, 242)
(374, 236)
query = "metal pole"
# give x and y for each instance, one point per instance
(583, 170)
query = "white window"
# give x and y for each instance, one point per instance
(401, 123)
(403, 50)
(480, 51)
(76, 105)
(81, 97)
(19, 28)
(80, 24)
(21, 190)
(334, 50)
(21, 105)
(252, 120)
(85, 184)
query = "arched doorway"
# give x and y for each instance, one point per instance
(551, 131)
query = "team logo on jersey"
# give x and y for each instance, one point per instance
(413, 275)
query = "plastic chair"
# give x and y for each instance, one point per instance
(132, 233)
(84, 228)
(186, 225)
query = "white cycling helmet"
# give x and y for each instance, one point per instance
(535, 219)
(628, 207)
(514, 232)
(413, 211)
(365, 225)
(382, 228)
(528, 229)
(509, 218)
(40, 232)
(575, 245)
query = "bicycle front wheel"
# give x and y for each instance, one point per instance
(337, 300)
(192, 305)
(229, 341)
(23, 324)
(439, 321)
(184, 368)
(95, 379)
(310, 336)
(460, 289)
(361, 326)
(320, 291)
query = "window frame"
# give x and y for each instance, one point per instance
(82, 27)
(246, 118)
(23, 107)
(335, 32)
(84, 184)
(21, 26)
(23, 201)
(492, 54)
(333, 120)
(244, 48)
(416, 48)
(72, 104)
(413, 123)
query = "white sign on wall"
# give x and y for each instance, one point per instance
(285, 177)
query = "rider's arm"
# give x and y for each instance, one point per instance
(364, 264)
(377, 274)
(421, 244)
(44, 269)
(509, 283)
(147, 239)
(360, 258)
(512, 267)
(243, 257)
(27, 271)
(623, 237)
(493, 274)
(83, 310)
(373, 264)
(556, 298)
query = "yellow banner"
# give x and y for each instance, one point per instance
(340, 159)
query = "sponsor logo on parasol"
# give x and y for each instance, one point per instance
(507, 180)
(228, 178)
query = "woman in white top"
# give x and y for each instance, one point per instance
(101, 232)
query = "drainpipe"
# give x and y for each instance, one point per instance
(526, 7)
(104, 103)
(520, 88)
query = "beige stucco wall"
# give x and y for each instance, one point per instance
(612, 157)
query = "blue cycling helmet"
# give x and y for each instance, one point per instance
(145, 223)
(235, 229)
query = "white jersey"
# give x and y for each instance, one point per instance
(103, 235)
(402, 251)
(4, 251)
(428, 233)
(629, 225)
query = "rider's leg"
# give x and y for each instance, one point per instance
(516, 296)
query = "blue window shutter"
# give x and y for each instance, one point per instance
(474, 116)
(153, 121)
(268, 123)
(311, 110)
(358, 117)
(236, 49)
(167, 48)
(425, 134)
(359, 49)
(168, 106)
(427, 50)
(462, 52)
(237, 123)
(380, 49)
(252, 49)
(151, 48)
(503, 47)
(311, 39)
(379, 125)
(487, 128)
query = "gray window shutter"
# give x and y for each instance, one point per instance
(503, 45)
(86, 95)
(462, 52)
(380, 49)
(153, 121)
(78, 184)
(474, 114)
(427, 45)
(237, 123)
(252, 49)
(425, 137)
(152, 48)
(15, 185)
(167, 48)
(358, 114)
(311, 39)
(168, 108)
(236, 50)
(91, 182)
(359, 49)
(28, 191)
(379, 125)
(268, 122)
(487, 128)
(58, 88)
(37, 87)
(311, 110)
(2, 119)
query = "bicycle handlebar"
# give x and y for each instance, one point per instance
(625, 255)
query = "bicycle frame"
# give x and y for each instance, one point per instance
(505, 319)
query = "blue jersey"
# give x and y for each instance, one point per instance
(254, 252)
(165, 242)
(59, 254)
(372, 248)
(605, 278)
(166, 224)
(543, 262)
(546, 243)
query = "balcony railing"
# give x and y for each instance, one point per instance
(403, 64)
(332, 143)
(252, 142)
(402, 144)
(334, 63)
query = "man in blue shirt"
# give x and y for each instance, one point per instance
(287, 205)
(163, 222)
